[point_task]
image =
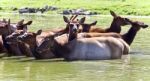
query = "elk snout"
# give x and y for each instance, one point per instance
(145, 26)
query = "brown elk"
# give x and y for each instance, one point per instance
(14, 45)
(72, 19)
(29, 38)
(33, 40)
(58, 31)
(115, 26)
(32, 44)
(130, 35)
(20, 25)
(127, 37)
(73, 48)
(5, 31)
(44, 54)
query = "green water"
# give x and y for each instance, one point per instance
(135, 67)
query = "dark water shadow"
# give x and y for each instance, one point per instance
(2, 55)
(42, 60)
(139, 52)
(57, 60)
(135, 52)
(13, 57)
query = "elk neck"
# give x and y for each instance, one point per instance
(130, 35)
(114, 27)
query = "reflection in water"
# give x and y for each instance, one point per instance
(135, 67)
(1, 69)
(27, 70)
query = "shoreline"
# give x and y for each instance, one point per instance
(39, 14)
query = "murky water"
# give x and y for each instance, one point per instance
(135, 67)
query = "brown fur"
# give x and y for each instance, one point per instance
(14, 46)
(127, 37)
(62, 47)
(115, 25)
(2, 49)
(4, 31)
(10, 28)
(90, 35)
(130, 35)
(30, 39)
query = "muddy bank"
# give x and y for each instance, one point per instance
(79, 11)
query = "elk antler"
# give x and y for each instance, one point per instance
(71, 17)
(74, 17)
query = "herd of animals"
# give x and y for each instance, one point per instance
(77, 41)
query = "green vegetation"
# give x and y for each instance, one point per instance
(124, 7)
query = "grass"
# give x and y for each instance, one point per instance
(124, 7)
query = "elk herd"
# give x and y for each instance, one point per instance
(77, 41)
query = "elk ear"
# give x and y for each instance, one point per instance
(128, 20)
(94, 23)
(38, 32)
(28, 23)
(113, 14)
(4, 20)
(66, 19)
(82, 20)
(20, 22)
(8, 25)
(22, 32)
(8, 22)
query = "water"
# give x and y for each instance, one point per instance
(134, 67)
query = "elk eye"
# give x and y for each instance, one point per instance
(126, 19)
(29, 36)
(15, 35)
(71, 25)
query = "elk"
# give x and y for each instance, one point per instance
(127, 37)
(11, 40)
(44, 54)
(20, 25)
(16, 47)
(5, 31)
(73, 48)
(72, 19)
(135, 27)
(115, 26)
(32, 40)
(29, 39)
(32, 44)
(58, 31)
